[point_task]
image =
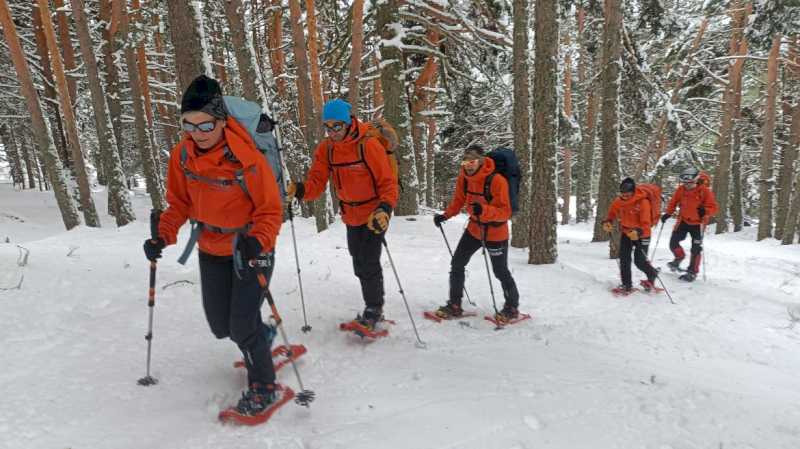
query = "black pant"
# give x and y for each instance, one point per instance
(498, 253)
(678, 234)
(233, 309)
(639, 248)
(365, 249)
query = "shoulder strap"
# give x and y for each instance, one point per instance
(487, 187)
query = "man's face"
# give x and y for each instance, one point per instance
(204, 129)
(471, 162)
(335, 130)
(690, 185)
(625, 195)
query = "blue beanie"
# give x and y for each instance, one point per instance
(338, 110)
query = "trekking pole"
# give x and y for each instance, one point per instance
(451, 256)
(420, 344)
(703, 256)
(304, 397)
(657, 275)
(488, 273)
(658, 239)
(147, 380)
(306, 327)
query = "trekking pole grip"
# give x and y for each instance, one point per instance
(155, 219)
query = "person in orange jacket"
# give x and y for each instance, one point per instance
(632, 209)
(219, 180)
(367, 188)
(488, 225)
(697, 204)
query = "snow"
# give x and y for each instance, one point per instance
(719, 369)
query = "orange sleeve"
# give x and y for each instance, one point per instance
(458, 197)
(178, 200)
(645, 219)
(710, 203)
(612, 211)
(378, 162)
(673, 203)
(267, 209)
(318, 175)
(500, 208)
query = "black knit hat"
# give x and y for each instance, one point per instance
(627, 185)
(475, 148)
(205, 95)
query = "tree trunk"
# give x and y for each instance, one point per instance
(40, 128)
(737, 212)
(113, 84)
(357, 44)
(566, 185)
(767, 183)
(308, 121)
(234, 11)
(313, 54)
(70, 123)
(738, 46)
(191, 57)
(12, 155)
(277, 58)
(793, 215)
(68, 52)
(166, 113)
(29, 158)
(419, 103)
(543, 248)
(611, 66)
(377, 87)
(791, 120)
(51, 100)
(521, 124)
(117, 192)
(395, 109)
(585, 166)
(144, 139)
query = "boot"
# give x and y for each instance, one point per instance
(647, 285)
(688, 276)
(507, 314)
(370, 317)
(449, 311)
(256, 399)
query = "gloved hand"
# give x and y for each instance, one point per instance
(634, 234)
(249, 247)
(607, 226)
(665, 217)
(152, 248)
(477, 209)
(701, 211)
(378, 220)
(438, 219)
(295, 190)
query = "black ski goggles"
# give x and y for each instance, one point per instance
(205, 127)
(687, 178)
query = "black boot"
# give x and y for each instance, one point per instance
(256, 399)
(449, 311)
(370, 317)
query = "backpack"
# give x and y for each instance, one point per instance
(261, 128)
(704, 179)
(653, 194)
(507, 165)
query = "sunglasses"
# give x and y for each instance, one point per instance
(335, 128)
(688, 180)
(202, 127)
(468, 162)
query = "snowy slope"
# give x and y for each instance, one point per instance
(717, 370)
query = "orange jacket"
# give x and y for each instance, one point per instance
(690, 200)
(222, 206)
(498, 212)
(362, 182)
(633, 213)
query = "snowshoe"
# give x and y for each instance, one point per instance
(257, 404)
(509, 315)
(280, 351)
(650, 287)
(449, 311)
(366, 325)
(623, 290)
(688, 276)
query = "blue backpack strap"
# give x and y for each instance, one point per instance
(197, 227)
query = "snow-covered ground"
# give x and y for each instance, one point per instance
(718, 370)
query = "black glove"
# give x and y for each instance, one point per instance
(152, 248)
(249, 247)
(438, 219)
(665, 217)
(477, 209)
(701, 211)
